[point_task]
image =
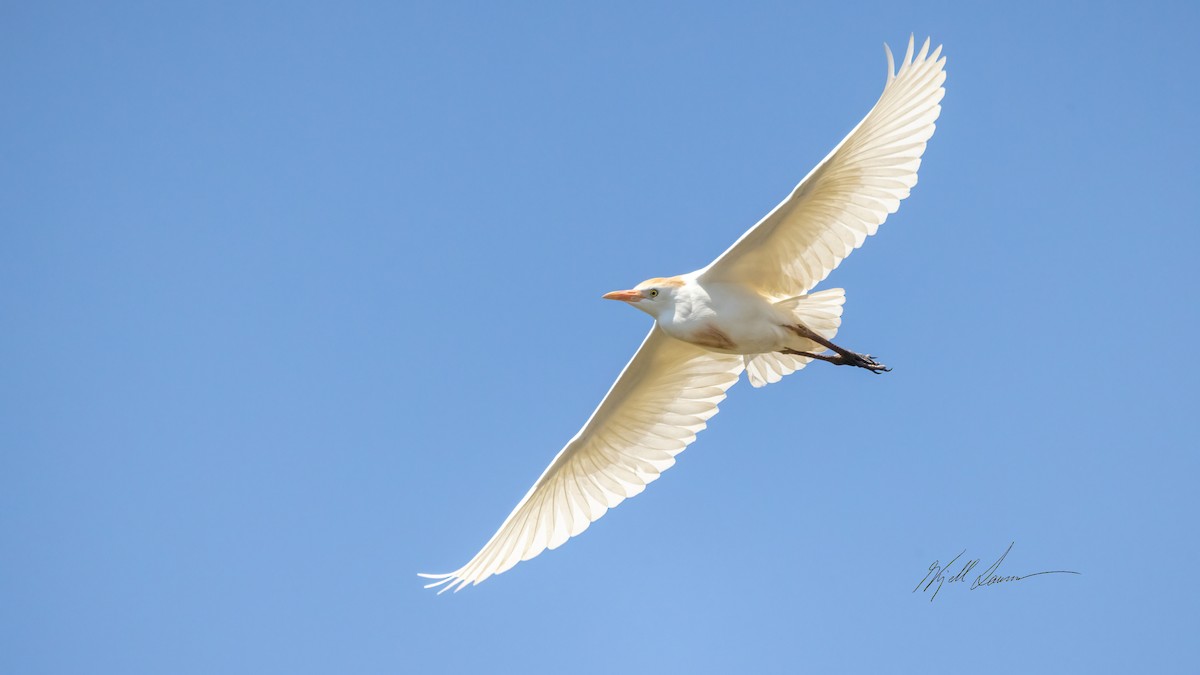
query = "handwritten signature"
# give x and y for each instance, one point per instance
(990, 577)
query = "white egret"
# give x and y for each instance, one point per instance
(750, 309)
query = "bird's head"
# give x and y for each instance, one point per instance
(652, 296)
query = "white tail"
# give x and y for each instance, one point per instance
(821, 312)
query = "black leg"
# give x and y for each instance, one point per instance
(841, 357)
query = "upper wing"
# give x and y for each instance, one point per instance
(849, 194)
(652, 412)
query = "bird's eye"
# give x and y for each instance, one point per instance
(654, 292)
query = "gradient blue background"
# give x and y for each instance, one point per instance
(298, 299)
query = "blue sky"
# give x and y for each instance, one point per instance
(299, 299)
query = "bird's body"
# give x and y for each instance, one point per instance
(720, 316)
(750, 310)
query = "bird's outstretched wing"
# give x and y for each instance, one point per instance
(849, 194)
(652, 412)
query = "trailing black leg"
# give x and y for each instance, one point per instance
(841, 356)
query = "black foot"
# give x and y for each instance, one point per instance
(865, 361)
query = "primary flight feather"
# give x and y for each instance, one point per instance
(750, 309)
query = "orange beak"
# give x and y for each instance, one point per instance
(625, 296)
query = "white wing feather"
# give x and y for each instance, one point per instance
(849, 194)
(652, 412)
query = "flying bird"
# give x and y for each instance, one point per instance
(750, 309)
